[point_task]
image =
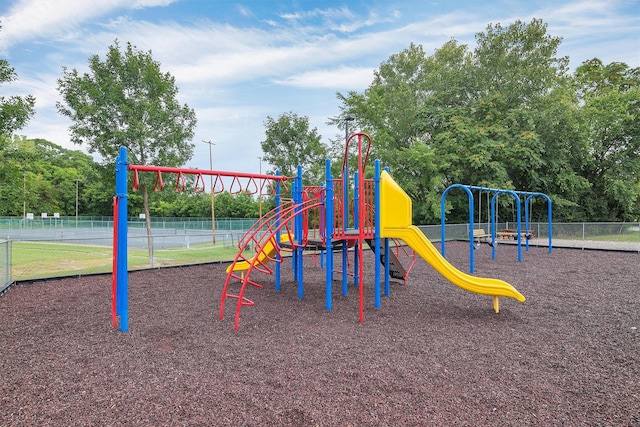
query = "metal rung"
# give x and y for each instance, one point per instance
(245, 300)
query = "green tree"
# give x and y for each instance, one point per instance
(290, 142)
(15, 111)
(125, 100)
(239, 205)
(557, 124)
(610, 112)
(472, 117)
(39, 176)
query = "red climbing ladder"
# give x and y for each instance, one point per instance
(264, 238)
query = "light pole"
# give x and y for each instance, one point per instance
(24, 195)
(213, 215)
(260, 189)
(348, 118)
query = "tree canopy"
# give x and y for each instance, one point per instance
(38, 176)
(610, 125)
(506, 115)
(15, 111)
(125, 100)
(290, 142)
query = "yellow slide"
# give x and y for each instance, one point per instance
(395, 222)
(268, 252)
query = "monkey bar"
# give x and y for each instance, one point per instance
(266, 188)
(240, 182)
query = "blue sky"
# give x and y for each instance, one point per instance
(237, 62)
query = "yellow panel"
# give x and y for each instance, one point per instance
(268, 252)
(395, 204)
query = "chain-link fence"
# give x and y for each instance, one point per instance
(36, 249)
(65, 246)
(13, 224)
(623, 236)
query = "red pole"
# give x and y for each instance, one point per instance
(114, 280)
(361, 223)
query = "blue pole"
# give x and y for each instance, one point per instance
(278, 207)
(550, 224)
(122, 287)
(328, 220)
(298, 235)
(376, 204)
(519, 227)
(494, 242)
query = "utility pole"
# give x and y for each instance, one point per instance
(24, 196)
(260, 189)
(213, 215)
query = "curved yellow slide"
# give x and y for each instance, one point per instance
(268, 252)
(395, 222)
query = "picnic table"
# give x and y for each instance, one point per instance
(510, 233)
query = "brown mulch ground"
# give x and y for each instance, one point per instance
(432, 355)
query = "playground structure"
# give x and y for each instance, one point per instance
(478, 235)
(323, 218)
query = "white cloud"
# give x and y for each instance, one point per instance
(42, 88)
(351, 78)
(244, 11)
(588, 18)
(341, 20)
(222, 54)
(330, 13)
(29, 19)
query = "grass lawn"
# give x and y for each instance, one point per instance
(628, 237)
(34, 260)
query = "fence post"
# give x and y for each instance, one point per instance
(8, 262)
(153, 255)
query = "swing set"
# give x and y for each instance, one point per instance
(491, 237)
